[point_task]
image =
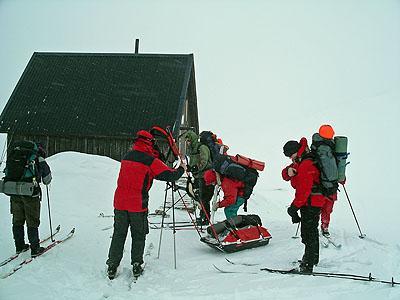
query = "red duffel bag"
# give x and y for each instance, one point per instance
(248, 162)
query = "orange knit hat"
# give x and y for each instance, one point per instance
(326, 131)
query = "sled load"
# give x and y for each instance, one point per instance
(236, 234)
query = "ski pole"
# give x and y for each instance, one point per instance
(173, 221)
(162, 220)
(297, 231)
(361, 236)
(48, 206)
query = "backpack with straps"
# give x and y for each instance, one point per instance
(208, 138)
(323, 151)
(21, 162)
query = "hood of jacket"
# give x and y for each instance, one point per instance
(193, 138)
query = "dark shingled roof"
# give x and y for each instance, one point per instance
(76, 94)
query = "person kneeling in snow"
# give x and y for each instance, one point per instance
(233, 192)
(303, 175)
(138, 169)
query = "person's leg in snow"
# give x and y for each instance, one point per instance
(121, 224)
(32, 213)
(326, 211)
(310, 237)
(18, 222)
(206, 194)
(139, 230)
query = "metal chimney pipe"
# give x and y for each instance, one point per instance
(136, 46)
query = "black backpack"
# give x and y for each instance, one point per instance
(224, 165)
(323, 152)
(21, 162)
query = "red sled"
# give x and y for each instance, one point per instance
(248, 162)
(236, 234)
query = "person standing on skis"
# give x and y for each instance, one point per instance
(325, 137)
(303, 175)
(26, 164)
(139, 167)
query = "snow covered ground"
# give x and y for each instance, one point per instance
(83, 187)
(288, 67)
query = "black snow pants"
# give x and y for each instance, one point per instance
(206, 193)
(137, 221)
(309, 233)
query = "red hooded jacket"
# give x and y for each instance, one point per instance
(138, 169)
(306, 177)
(231, 188)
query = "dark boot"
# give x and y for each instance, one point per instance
(33, 236)
(19, 239)
(306, 268)
(137, 269)
(36, 251)
(112, 271)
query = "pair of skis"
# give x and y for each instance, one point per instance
(14, 256)
(46, 249)
(327, 240)
(295, 271)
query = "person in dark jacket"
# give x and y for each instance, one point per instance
(26, 209)
(303, 176)
(139, 168)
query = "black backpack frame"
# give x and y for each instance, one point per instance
(21, 162)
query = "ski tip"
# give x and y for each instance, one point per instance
(229, 261)
(58, 227)
(73, 230)
(217, 268)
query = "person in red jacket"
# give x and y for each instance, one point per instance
(303, 175)
(139, 168)
(233, 192)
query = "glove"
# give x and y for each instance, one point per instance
(292, 211)
(215, 206)
(343, 182)
(291, 171)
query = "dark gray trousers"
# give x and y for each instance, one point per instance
(309, 233)
(137, 221)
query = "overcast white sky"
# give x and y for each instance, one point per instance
(266, 71)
